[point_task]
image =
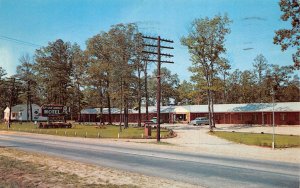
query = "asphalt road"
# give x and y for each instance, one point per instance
(202, 170)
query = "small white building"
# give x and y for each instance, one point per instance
(19, 113)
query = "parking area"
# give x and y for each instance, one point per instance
(196, 139)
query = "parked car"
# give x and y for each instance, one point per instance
(154, 120)
(200, 121)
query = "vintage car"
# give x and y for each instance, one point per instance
(200, 121)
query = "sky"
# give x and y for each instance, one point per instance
(37, 22)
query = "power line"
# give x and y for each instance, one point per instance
(21, 42)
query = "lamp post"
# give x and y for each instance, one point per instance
(273, 118)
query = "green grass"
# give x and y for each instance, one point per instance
(89, 131)
(265, 140)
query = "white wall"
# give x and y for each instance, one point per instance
(19, 113)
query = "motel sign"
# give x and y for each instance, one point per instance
(54, 110)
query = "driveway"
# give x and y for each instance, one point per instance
(196, 139)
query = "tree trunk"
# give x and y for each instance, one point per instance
(108, 101)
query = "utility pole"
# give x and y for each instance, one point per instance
(12, 89)
(12, 84)
(159, 61)
(273, 117)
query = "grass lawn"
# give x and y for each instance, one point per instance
(89, 131)
(281, 141)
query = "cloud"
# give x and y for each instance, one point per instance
(254, 18)
(248, 49)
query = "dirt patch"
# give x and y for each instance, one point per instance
(25, 169)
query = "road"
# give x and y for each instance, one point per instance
(198, 169)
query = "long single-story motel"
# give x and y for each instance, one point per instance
(286, 113)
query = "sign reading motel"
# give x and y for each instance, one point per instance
(53, 110)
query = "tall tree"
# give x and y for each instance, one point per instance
(26, 74)
(234, 85)
(123, 72)
(139, 65)
(99, 49)
(205, 43)
(247, 86)
(224, 73)
(260, 67)
(53, 67)
(3, 90)
(78, 76)
(290, 37)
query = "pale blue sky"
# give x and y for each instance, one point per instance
(41, 21)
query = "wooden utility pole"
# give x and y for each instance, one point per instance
(159, 61)
(12, 92)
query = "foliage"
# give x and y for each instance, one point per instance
(53, 67)
(290, 37)
(111, 73)
(205, 43)
(185, 93)
(169, 83)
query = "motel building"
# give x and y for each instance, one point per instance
(286, 113)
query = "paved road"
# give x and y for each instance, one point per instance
(202, 170)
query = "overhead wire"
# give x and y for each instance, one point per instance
(21, 42)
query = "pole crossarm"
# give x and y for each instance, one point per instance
(155, 38)
(155, 53)
(155, 46)
(154, 60)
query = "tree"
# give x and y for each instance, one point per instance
(169, 84)
(234, 81)
(279, 78)
(3, 90)
(115, 67)
(54, 67)
(247, 87)
(99, 50)
(185, 93)
(26, 74)
(123, 73)
(290, 37)
(78, 76)
(260, 67)
(139, 68)
(224, 68)
(205, 43)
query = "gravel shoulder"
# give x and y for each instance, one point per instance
(27, 169)
(189, 138)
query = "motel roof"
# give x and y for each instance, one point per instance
(218, 108)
